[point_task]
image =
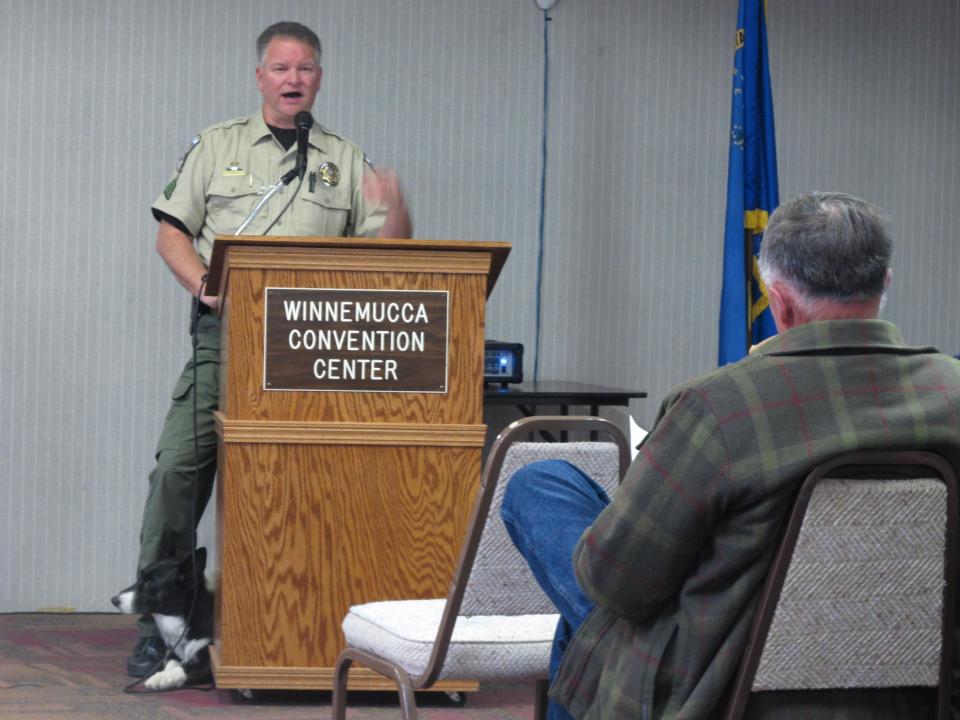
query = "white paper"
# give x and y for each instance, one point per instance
(637, 434)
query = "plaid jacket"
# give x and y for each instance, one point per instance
(676, 561)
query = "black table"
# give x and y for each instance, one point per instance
(527, 396)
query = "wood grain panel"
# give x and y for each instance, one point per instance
(314, 433)
(329, 499)
(307, 678)
(360, 259)
(439, 255)
(309, 530)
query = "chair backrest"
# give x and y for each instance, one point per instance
(492, 578)
(861, 591)
(500, 581)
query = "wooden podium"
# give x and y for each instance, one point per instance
(350, 437)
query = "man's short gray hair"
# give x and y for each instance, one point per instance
(828, 246)
(288, 29)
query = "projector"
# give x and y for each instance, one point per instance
(502, 362)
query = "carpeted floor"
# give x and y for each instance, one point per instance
(72, 666)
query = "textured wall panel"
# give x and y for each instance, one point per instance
(102, 97)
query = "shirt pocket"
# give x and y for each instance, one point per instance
(324, 212)
(229, 201)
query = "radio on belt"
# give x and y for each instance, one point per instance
(502, 362)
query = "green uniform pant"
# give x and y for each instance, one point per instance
(178, 494)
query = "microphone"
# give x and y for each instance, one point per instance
(302, 121)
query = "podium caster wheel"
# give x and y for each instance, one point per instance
(245, 693)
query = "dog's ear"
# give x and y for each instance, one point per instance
(201, 556)
(191, 567)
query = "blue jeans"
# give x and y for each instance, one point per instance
(546, 507)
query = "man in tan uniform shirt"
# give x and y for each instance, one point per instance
(216, 185)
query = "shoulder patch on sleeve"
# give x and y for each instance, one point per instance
(172, 185)
(193, 143)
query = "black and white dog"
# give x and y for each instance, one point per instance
(178, 597)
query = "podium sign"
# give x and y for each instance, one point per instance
(362, 340)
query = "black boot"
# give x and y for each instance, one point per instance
(146, 656)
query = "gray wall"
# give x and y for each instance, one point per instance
(100, 97)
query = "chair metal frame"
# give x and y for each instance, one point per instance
(858, 465)
(406, 685)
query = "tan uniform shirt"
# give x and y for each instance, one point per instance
(226, 173)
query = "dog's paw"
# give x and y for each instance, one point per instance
(172, 676)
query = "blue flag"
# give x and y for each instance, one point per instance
(752, 193)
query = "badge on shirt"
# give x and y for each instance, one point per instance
(329, 174)
(172, 185)
(234, 170)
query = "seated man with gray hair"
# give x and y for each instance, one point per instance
(658, 587)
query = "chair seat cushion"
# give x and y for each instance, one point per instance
(483, 647)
